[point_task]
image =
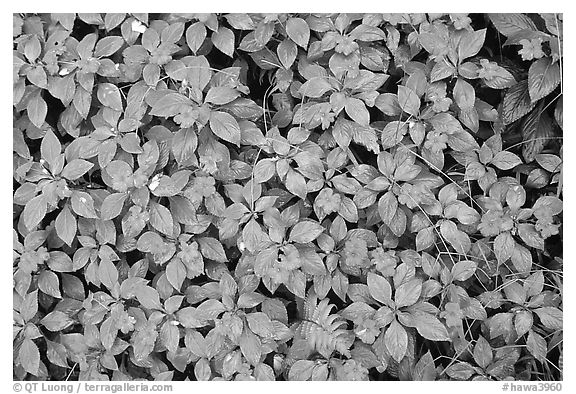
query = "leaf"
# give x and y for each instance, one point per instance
(223, 39)
(430, 327)
(298, 31)
(76, 168)
(221, 95)
(49, 283)
(379, 288)
(408, 100)
(301, 370)
(176, 273)
(112, 206)
(356, 110)
(536, 132)
(315, 87)
(482, 352)
(387, 207)
(29, 356)
(50, 147)
(287, 52)
(170, 104)
(250, 346)
(34, 211)
(161, 218)
(225, 126)
(537, 346)
(425, 370)
(517, 102)
(305, 231)
(471, 43)
(202, 370)
(108, 273)
(56, 321)
(109, 95)
(463, 270)
(66, 225)
(264, 170)
(543, 77)
(458, 239)
(408, 293)
(509, 24)
(396, 340)
(148, 297)
(195, 36)
(212, 249)
(550, 317)
(37, 109)
(505, 160)
(464, 95)
(83, 204)
(108, 46)
(296, 184)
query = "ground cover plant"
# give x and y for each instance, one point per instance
(287, 196)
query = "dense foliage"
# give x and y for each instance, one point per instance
(287, 196)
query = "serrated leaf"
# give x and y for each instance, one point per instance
(408, 293)
(551, 317)
(195, 36)
(471, 43)
(379, 288)
(161, 218)
(29, 356)
(50, 147)
(537, 346)
(511, 23)
(112, 205)
(408, 100)
(463, 270)
(223, 39)
(34, 211)
(37, 109)
(148, 297)
(49, 283)
(212, 249)
(396, 340)
(430, 327)
(305, 231)
(517, 102)
(83, 204)
(66, 225)
(225, 126)
(108, 46)
(482, 352)
(109, 95)
(356, 110)
(76, 168)
(505, 160)
(298, 31)
(543, 77)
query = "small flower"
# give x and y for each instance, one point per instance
(346, 46)
(192, 258)
(436, 141)
(461, 21)
(490, 224)
(531, 49)
(453, 314)
(356, 253)
(546, 227)
(187, 117)
(367, 331)
(385, 261)
(488, 69)
(328, 201)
